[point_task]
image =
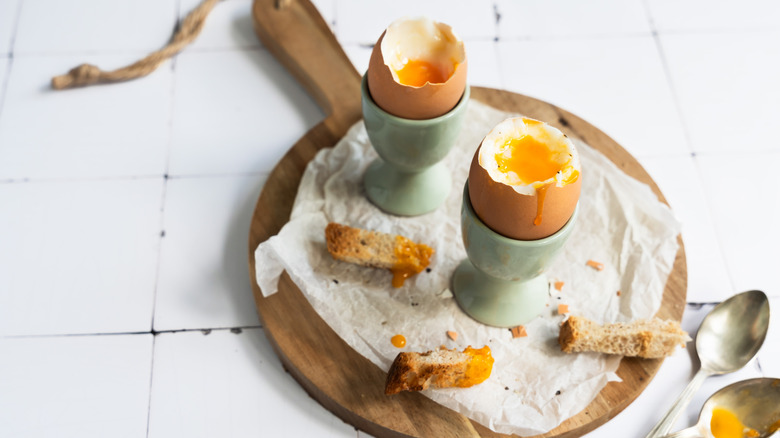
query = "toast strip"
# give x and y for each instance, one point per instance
(439, 369)
(646, 338)
(398, 254)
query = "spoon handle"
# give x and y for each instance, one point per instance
(691, 432)
(667, 422)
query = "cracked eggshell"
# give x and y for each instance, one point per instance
(512, 214)
(418, 103)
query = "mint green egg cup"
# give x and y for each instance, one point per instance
(502, 282)
(409, 178)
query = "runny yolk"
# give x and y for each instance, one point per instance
(411, 258)
(398, 341)
(479, 368)
(532, 161)
(724, 424)
(416, 73)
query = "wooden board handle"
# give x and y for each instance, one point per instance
(295, 32)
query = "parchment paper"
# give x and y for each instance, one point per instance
(533, 387)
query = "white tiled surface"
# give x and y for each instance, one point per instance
(229, 383)
(202, 280)
(75, 386)
(96, 241)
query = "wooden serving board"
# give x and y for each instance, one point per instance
(334, 374)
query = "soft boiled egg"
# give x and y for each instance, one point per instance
(524, 181)
(417, 69)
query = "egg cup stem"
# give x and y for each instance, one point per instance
(409, 177)
(502, 283)
(407, 193)
(497, 302)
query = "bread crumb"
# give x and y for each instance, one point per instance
(618, 293)
(558, 285)
(595, 265)
(563, 308)
(452, 335)
(518, 332)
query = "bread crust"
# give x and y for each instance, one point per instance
(412, 371)
(645, 338)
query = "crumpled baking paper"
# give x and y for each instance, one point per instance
(533, 386)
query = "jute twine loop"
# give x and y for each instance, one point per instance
(87, 74)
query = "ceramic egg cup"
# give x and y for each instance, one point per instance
(408, 178)
(502, 283)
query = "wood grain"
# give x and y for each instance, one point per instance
(334, 374)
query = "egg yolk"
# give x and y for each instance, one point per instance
(417, 73)
(724, 424)
(532, 161)
(398, 341)
(411, 258)
(479, 368)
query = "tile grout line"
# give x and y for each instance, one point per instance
(163, 198)
(686, 131)
(204, 330)
(151, 383)
(11, 44)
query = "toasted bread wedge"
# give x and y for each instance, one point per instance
(400, 255)
(439, 369)
(646, 338)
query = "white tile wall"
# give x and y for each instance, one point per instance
(727, 88)
(484, 67)
(617, 84)
(470, 20)
(228, 26)
(5, 64)
(769, 356)
(203, 280)
(222, 382)
(721, 15)
(8, 15)
(103, 131)
(53, 26)
(235, 112)
(75, 386)
(745, 216)
(78, 257)
(567, 18)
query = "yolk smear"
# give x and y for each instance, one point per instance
(572, 177)
(479, 368)
(417, 73)
(411, 258)
(774, 427)
(541, 193)
(724, 424)
(398, 341)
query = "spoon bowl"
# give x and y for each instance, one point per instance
(754, 402)
(733, 332)
(728, 338)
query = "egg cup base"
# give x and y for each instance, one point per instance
(406, 193)
(496, 302)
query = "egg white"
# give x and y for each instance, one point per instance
(422, 39)
(562, 148)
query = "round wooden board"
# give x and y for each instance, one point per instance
(350, 385)
(334, 374)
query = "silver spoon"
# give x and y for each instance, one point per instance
(728, 338)
(755, 402)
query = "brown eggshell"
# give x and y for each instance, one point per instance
(418, 103)
(512, 214)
